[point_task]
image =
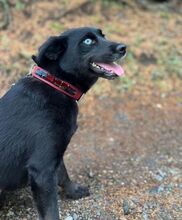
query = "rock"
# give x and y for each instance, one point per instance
(160, 175)
(131, 206)
(161, 188)
(126, 207)
(10, 213)
(69, 218)
(75, 216)
(145, 215)
(90, 174)
(121, 117)
(165, 215)
(156, 189)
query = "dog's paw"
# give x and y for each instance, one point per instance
(76, 191)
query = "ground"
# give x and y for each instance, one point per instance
(128, 147)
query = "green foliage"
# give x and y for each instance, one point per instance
(57, 26)
(4, 41)
(108, 3)
(165, 15)
(125, 83)
(4, 6)
(156, 76)
(174, 65)
(19, 5)
(131, 63)
(138, 40)
(170, 63)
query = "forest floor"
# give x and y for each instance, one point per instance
(128, 147)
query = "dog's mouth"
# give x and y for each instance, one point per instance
(107, 70)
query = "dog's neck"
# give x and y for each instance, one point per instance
(54, 82)
(84, 82)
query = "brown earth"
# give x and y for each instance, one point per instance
(129, 144)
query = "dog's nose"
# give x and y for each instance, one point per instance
(121, 48)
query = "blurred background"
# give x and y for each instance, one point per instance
(129, 144)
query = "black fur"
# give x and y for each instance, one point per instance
(37, 122)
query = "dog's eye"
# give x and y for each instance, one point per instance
(89, 41)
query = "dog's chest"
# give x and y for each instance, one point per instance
(66, 122)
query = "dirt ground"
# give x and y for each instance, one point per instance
(128, 147)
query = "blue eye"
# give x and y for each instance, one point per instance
(88, 41)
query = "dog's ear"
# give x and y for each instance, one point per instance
(51, 50)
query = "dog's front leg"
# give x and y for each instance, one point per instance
(72, 189)
(44, 189)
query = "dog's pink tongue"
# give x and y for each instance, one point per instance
(117, 69)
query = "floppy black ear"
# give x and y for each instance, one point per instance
(51, 49)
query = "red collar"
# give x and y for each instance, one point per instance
(60, 85)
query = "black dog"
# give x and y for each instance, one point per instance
(38, 115)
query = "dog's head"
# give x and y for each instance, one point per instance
(81, 52)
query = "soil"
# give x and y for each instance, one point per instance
(128, 147)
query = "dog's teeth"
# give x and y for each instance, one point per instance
(97, 66)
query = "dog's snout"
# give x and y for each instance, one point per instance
(121, 48)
